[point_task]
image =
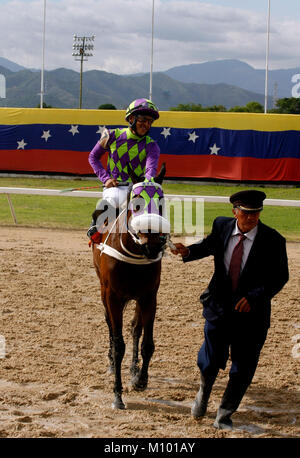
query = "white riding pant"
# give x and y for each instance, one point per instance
(116, 196)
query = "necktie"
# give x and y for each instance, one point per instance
(236, 261)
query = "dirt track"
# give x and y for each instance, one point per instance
(53, 376)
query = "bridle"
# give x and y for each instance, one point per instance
(130, 257)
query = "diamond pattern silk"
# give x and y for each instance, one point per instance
(125, 148)
(236, 261)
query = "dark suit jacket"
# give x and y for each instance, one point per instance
(264, 274)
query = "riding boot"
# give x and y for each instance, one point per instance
(108, 213)
(230, 402)
(199, 405)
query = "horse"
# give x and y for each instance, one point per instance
(127, 261)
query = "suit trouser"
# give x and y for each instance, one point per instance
(238, 334)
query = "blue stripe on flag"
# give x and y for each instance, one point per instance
(173, 141)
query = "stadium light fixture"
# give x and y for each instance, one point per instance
(81, 51)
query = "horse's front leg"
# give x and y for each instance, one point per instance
(148, 309)
(118, 354)
(115, 308)
(136, 332)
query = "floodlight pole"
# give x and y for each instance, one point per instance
(151, 59)
(80, 47)
(267, 57)
(43, 60)
(81, 68)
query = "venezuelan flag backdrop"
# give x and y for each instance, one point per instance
(228, 146)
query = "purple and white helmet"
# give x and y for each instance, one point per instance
(142, 106)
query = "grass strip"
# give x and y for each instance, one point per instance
(75, 213)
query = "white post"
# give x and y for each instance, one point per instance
(267, 58)
(43, 59)
(12, 210)
(151, 59)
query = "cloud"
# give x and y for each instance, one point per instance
(185, 32)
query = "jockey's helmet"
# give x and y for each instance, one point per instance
(143, 107)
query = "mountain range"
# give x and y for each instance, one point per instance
(237, 73)
(224, 82)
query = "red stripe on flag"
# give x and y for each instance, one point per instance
(75, 162)
(202, 166)
(232, 168)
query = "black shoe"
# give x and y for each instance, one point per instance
(233, 394)
(199, 405)
(223, 420)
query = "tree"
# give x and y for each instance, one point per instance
(107, 106)
(44, 105)
(188, 107)
(250, 107)
(218, 108)
(287, 105)
(198, 107)
(238, 109)
(254, 107)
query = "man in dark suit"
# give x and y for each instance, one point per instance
(251, 267)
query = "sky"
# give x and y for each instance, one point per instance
(185, 32)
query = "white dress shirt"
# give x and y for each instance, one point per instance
(234, 238)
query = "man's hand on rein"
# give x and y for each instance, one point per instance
(180, 249)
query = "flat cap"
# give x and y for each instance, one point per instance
(249, 200)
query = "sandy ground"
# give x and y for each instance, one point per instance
(53, 367)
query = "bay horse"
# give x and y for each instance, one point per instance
(128, 264)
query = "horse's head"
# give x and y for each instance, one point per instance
(147, 220)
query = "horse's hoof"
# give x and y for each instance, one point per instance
(118, 405)
(139, 385)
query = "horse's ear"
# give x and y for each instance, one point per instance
(96, 213)
(135, 179)
(160, 177)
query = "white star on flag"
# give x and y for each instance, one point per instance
(214, 149)
(21, 144)
(74, 130)
(100, 129)
(166, 132)
(193, 137)
(46, 135)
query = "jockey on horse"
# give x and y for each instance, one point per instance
(131, 147)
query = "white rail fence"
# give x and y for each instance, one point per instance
(97, 194)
